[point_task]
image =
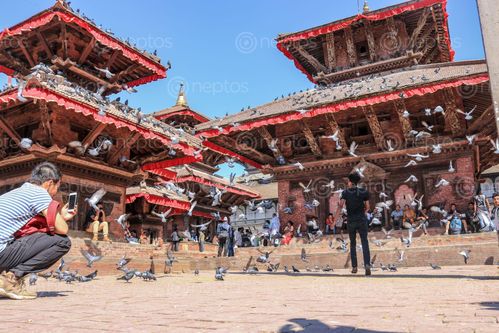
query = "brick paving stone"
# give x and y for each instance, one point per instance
(454, 299)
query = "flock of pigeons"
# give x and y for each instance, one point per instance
(56, 80)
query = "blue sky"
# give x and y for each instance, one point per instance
(224, 50)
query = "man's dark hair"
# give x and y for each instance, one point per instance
(496, 194)
(45, 172)
(354, 177)
(453, 204)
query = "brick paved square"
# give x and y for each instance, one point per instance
(454, 299)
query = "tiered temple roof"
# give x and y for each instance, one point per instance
(69, 41)
(413, 32)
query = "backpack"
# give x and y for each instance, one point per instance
(39, 223)
(456, 224)
(224, 233)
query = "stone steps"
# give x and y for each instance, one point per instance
(437, 249)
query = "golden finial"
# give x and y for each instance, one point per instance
(181, 100)
(366, 6)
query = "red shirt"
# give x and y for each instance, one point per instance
(330, 221)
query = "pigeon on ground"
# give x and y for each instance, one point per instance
(32, 279)
(295, 270)
(128, 276)
(304, 255)
(435, 266)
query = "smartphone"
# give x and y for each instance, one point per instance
(72, 202)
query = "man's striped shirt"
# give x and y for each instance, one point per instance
(19, 206)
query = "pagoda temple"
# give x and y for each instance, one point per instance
(389, 100)
(66, 68)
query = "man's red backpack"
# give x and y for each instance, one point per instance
(40, 223)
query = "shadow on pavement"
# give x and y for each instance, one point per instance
(317, 326)
(54, 293)
(490, 305)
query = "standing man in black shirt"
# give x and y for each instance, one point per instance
(357, 203)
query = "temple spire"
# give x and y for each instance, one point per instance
(181, 100)
(366, 6)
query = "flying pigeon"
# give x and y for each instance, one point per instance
(470, 138)
(95, 198)
(26, 143)
(466, 255)
(411, 178)
(410, 163)
(162, 215)
(451, 167)
(106, 72)
(439, 109)
(442, 182)
(418, 157)
(436, 149)
(299, 166)
(353, 148)
(90, 257)
(467, 115)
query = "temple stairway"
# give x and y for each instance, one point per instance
(434, 248)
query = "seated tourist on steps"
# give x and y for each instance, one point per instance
(408, 218)
(96, 221)
(455, 222)
(32, 230)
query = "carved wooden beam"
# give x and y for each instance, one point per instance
(405, 124)
(374, 125)
(45, 121)
(27, 55)
(263, 158)
(452, 122)
(422, 41)
(84, 55)
(335, 127)
(423, 19)
(268, 140)
(329, 51)
(309, 135)
(44, 44)
(11, 132)
(93, 135)
(13, 63)
(124, 72)
(351, 51)
(371, 43)
(70, 65)
(64, 33)
(480, 122)
(123, 145)
(112, 59)
(310, 58)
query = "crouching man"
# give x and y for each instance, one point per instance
(33, 230)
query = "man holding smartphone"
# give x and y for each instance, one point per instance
(38, 251)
